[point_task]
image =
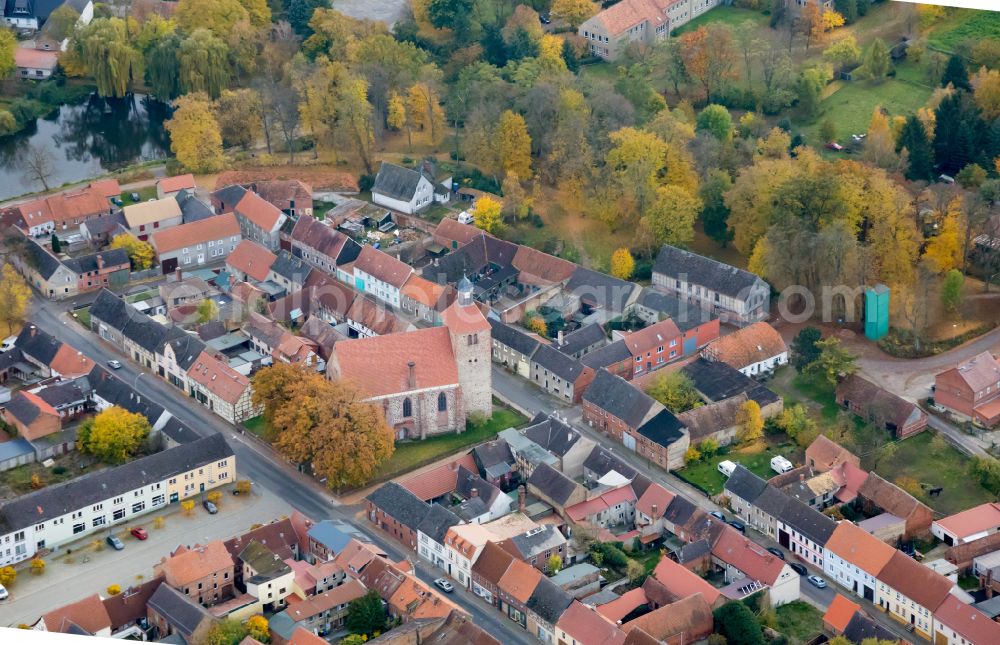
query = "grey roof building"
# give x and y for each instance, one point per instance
(514, 338)
(291, 268)
(94, 261)
(436, 522)
(582, 341)
(537, 541)
(329, 536)
(717, 276)
(608, 355)
(192, 208)
(553, 484)
(399, 503)
(744, 484)
(494, 459)
(557, 363)
(602, 461)
(110, 388)
(548, 601)
(663, 428)
(807, 520)
(601, 291)
(182, 615)
(618, 397)
(717, 381)
(553, 434)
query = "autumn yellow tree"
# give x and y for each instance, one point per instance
(7, 576)
(880, 146)
(15, 296)
(395, 112)
(944, 251)
(140, 253)
(37, 566)
(622, 264)
(218, 16)
(487, 215)
(513, 145)
(113, 435)
(986, 86)
(257, 627)
(195, 137)
(114, 590)
(516, 203)
(424, 110)
(750, 422)
(671, 217)
(831, 20)
(187, 506)
(574, 12)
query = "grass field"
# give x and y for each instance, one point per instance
(145, 194)
(965, 25)
(799, 620)
(817, 395)
(756, 458)
(83, 316)
(418, 453)
(731, 16)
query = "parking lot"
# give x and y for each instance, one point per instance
(86, 570)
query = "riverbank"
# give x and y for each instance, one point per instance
(27, 101)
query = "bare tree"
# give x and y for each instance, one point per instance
(38, 164)
(915, 305)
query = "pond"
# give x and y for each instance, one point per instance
(86, 140)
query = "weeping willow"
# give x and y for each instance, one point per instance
(204, 63)
(104, 48)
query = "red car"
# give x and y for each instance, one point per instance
(833, 145)
(139, 533)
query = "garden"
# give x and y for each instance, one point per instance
(755, 457)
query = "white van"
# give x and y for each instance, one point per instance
(780, 465)
(465, 217)
(726, 467)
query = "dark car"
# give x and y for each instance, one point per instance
(739, 526)
(210, 507)
(718, 515)
(115, 543)
(798, 568)
(778, 553)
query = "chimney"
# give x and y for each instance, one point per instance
(802, 477)
(653, 511)
(100, 261)
(177, 274)
(33, 330)
(473, 493)
(559, 338)
(520, 498)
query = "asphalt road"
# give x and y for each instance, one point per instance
(281, 479)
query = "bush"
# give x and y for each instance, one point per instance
(365, 182)
(736, 622)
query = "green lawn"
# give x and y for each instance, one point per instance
(800, 621)
(142, 295)
(414, 454)
(145, 194)
(757, 459)
(435, 213)
(256, 426)
(965, 25)
(601, 70)
(83, 316)
(320, 208)
(816, 394)
(729, 15)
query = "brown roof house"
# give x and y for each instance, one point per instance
(643, 22)
(83, 617)
(685, 621)
(912, 592)
(877, 495)
(755, 349)
(971, 390)
(31, 416)
(881, 407)
(823, 455)
(203, 573)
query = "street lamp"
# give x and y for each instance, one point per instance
(135, 382)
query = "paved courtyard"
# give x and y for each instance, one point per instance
(388, 11)
(86, 570)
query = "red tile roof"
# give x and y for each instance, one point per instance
(655, 495)
(382, 266)
(88, 613)
(980, 518)
(823, 454)
(64, 207)
(752, 344)
(735, 549)
(259, 211)
(70, 363)
(603, 502)
(252, 259)
(626, 14)
(686, 621)
(681, 582)
(35, 58)
(440, 480)
(106, 188)
(859, 548)
(623, 605)
(451, 230)
(520, 580)
(218, 378)
(839, 613)
(185, 566)
(655, 335)
(465, 319)
(588, 627)
(428, 349)
(187, 235)
(970, 623)
(430, 294)
(921, 584)
(173, 184)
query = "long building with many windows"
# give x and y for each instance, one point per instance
(57, 515)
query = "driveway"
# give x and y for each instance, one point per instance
(68, 578)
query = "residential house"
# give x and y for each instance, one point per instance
(715, 381)
(127, 609)
(583, 625)
(476, 561)
(86, 615)
(265, 575)
(431, 531)
(326, 541)
(196, 244)
(396, 511)
(649, 511)
(221, 389)
(635, 419)
(324, 612)
(144, 218)
(544, 608)
(512, 347)
(911, 592)
(686, 620)
(250, 261)
(60, 212)
(969, 525)
(746, 562)
(380, 274)
(735, 295)
(879, 495)
(35, 64)
(424, 299)
(755, 349)
(957, 623)
(559, 374)
(881, 407)
(259, 220)
(855, 558)
(224, 200)
(599, 295)
(804, 531)
(671, 582)
(292, 197)
(101, 230)
(60, 279)
(170, 186)
(482, 501)
(719, 420)
(516, 586)
(615, 507)
(839, 614)
(324, 247)
(971, 390)
(205, 574)
(44, 356)
(38, 520)
(451, 234)
(555, 488)
(559, 438)
(743, 488)
(663, 342)
(495, 463)
(405, 596)
(613, 30)
(290, 272)
(192, 208)
(407, 190)
(581, 341)
(824, 454)
(537, 545)
(30, 416)
(367, 318)
(172, 613)
(527, 454)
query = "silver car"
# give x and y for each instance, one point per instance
(444, 585)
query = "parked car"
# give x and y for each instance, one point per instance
(117, 201)
(798, 568)
(776, 552)
(7, 344)
(833, 145)
(3, 593)
(780, 464)
(817, 582)
(718, 515)
(115, 543)
(139, 533)
(210, 507)
(544, 18)
(444, 585)
(135, 197)
(114, 364)
(738, 525)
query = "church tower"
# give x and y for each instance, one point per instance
(471, 344)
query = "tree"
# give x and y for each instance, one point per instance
(955, 74)
(516, 203)
(737, 623)
(831, 20)
(37, 566)
(972, 176)
(38, 164)
(425, 111)
(218, 16)
(848, 9)
(670, 218)
(945, 251)
(114, 590)
(574, 12)
(714, 212)
(750, 421)
(634, 571)
(833, 361)
(140, 253)
(487, 216)
(708, 447)
(716, 120)
(8, 575)
(691, 455)
(537, 324)
(187, 506)
(554, 563)
(214, 496)
(8, 43)
(804, 349)
(396, 113)
(204, 63)
(920, 155)
(986, 85)
(15, 297)
(194, 134)
(880, 149)
(675, 391)
(828, 130)
(300, 14)
(109, 55)
(55, 243)
(61, 22)
(708, 55)
(163, 67)
(811, 23)
(207, 311)
(113, 435)
(238, 113)
(877, 61)
(257, 627)
(225, 632)
(843, 53)
(354, 639)
(809, 89)
(366, 615)
(622, 264)
(513, 144)
(243, 486)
